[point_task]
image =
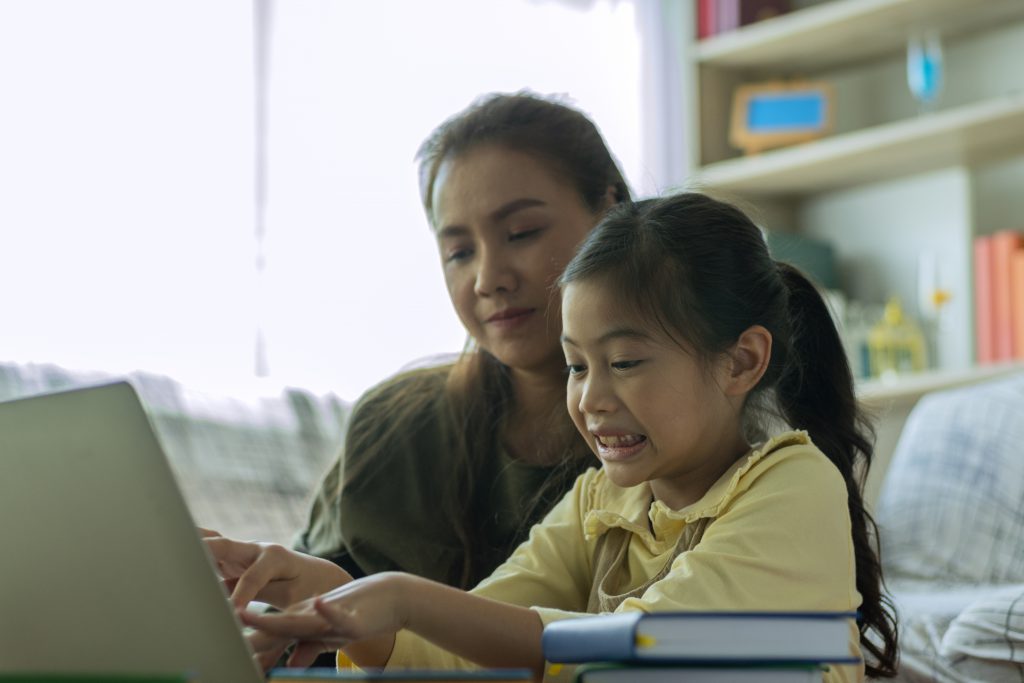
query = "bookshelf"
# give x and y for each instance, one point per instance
(892, 182)
(843, 32)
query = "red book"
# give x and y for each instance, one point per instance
(1017, 302)
(1003, 245)
(705, 18)
(984, 325)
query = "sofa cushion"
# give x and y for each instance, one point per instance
(952, 504)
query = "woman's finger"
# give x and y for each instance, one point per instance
(268, 659)
(306, 652)
(207, 533)
(268, 566)
(261, 641)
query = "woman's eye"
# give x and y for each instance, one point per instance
(523, 234)
(625, 364)
(574, 369)
(457, 255)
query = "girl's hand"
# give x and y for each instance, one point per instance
(269, 572)
(361, 616)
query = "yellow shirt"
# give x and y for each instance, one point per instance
(780, 540)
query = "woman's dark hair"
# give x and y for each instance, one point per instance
(479, 385)
(560, 135)
(700, 271)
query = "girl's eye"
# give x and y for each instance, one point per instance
(524, 234)
(626, 364)
(575, 369)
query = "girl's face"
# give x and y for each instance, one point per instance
(647, 407)
(506, 226)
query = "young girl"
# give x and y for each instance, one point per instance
(684, 341)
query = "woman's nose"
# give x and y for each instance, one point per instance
(495, 274)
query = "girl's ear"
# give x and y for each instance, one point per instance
(748, 358)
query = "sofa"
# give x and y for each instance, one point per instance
(951, 529)
(246, 465)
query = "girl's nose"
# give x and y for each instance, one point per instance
(596, 396)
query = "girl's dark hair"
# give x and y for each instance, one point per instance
(479, 385)
(699, 270)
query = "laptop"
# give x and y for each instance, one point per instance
(101, 567)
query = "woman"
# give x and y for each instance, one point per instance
(445, 469)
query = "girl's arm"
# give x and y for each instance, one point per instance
(363, 616)
(491, 633)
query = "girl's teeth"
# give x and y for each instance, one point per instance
(620, 441)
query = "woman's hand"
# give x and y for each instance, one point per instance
(269, 572)
(361, 616)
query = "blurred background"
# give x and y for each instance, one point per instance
(225, 192)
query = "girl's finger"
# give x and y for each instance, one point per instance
(307, 626)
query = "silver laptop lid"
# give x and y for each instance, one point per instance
(101, 567)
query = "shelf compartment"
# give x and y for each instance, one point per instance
(965, 135)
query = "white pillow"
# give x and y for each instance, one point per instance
(989, 628)
(952, 504)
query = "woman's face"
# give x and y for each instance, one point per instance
(506, 226)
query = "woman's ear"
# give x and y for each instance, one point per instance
(748, 360)
(611, 197)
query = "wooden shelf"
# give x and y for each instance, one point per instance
(846, 32)
(969, 134)
(910, 388)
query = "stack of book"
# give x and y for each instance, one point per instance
(702, 647)
(407, 676)
(999, 296)
(720, 16)
(10, 677)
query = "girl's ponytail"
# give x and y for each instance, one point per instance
(815, 392)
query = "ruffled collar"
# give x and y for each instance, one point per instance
(634, 510)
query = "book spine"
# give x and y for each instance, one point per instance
(984, 325)
(608, 639)
(1004, 244)
(1017, 302)
(705, 18)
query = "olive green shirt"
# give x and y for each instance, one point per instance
(379, 506)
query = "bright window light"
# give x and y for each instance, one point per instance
(128, 159)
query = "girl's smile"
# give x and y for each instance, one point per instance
(615, 446)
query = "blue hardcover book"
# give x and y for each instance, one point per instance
(694, 637)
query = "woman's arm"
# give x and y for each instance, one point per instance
(269, 572)
(376, 508)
